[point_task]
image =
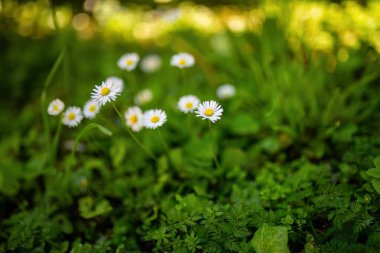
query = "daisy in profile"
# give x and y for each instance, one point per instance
(128, 61)
(182, 60)
(55, 107)
(150, 63)
(117, 82)
(154, 118)
(134, 118)
(210, 110)
(225, 91)
(188, 103)
(105, 93)
(72, 116)
(144, 96)
(90, 109)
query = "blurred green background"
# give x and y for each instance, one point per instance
(294, 143)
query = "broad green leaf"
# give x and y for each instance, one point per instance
(374, 172)
(377, 162)
(177, 158)
(376, 185)
(345, 133)
(117, 152)
(233, 157)
(243, 124)
(364, 175)
(271, 239)
(270, 144)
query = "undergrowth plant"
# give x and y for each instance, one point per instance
(283, 158)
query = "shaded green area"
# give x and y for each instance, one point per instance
(294, 144)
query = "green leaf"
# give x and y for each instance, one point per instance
(243, 124)
(10, 174)
(271, 239)
(376, 185)
(377, 162)
(88, 209)
(117, 152)
(62, 247)
(374, 172)
(233, 157)
(364, 175)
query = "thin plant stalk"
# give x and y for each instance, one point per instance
(213, 146)
(47, 83)
(189, 120)
(142, 146)
(53, 154)
(66, 64)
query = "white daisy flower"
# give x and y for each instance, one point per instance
(90, 109)
(134, 118)
(105, 93)
(209, 110)
(225, 91)
(72, 116)
(144, 96)
(128, 61)
(182, 60)
(117, 82)
(154, 118)
(188, 103)
(150, 63)
(55, 107)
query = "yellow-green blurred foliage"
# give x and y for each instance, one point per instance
(316, 24)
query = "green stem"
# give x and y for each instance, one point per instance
(66, 63)
(189, 123)
(213, 146)
(312, 228)
(53, 154)
(166, 148)
(47, 83)
(54, 15)
(133, 136)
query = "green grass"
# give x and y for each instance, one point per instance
(294, 146)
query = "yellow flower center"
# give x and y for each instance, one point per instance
(182, 61)
(71, 116)
(92, 108)
(209, 112)
(133, 119)
(129, 62)
(55, 107)
(154, 119)
(105, 91)
(189, 105)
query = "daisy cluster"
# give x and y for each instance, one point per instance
(73, 115)
(135, 118)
